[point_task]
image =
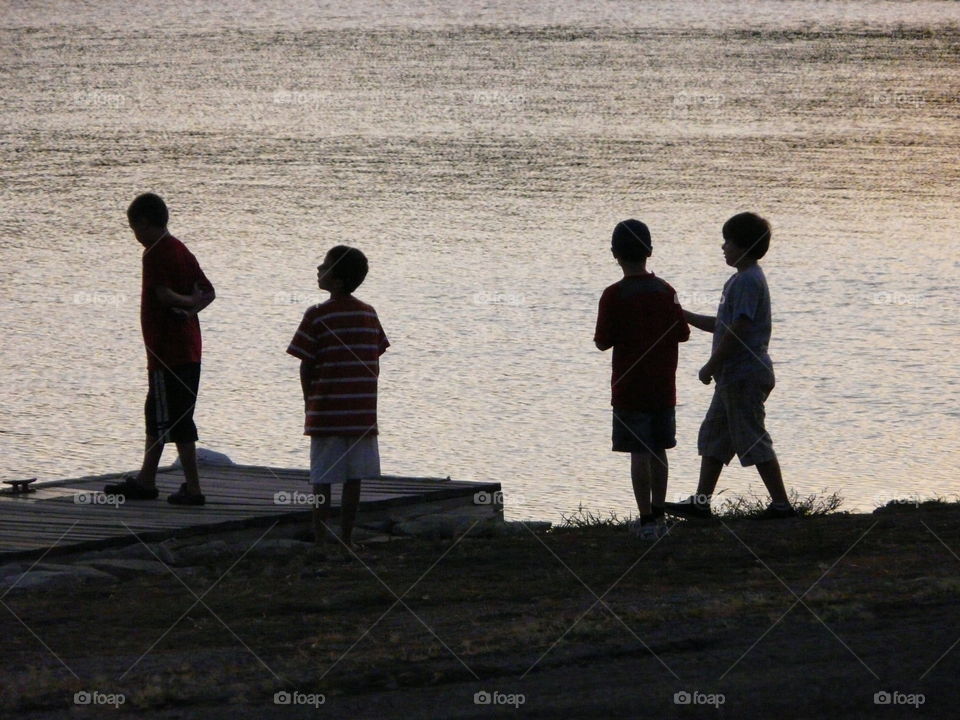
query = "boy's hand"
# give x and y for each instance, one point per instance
(706, 373)
(196, 297)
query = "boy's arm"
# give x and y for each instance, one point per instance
(707, 323)
(725, 348)
(186, 305)
(603, 336)
(305, 377)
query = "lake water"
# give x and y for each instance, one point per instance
(480, 153)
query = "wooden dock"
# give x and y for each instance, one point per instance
(71, 515)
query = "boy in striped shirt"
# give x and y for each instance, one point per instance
(339, 343)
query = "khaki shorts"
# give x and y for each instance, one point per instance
(734, 424)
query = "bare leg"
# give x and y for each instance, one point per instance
(321, 513)
(152, 451)
(659, 470)
(640, 474)
(188, 460)
(348, 509)
(710, 469)
(773, 479)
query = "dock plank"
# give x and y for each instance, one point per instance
(238, 496)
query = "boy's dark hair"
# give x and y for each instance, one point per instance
(631, 241)
(348, 265)
(149, 207)
(750, 232)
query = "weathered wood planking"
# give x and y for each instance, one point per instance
(52, 521)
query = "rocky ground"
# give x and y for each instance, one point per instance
(822, 616)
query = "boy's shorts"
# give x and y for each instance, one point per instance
(338, 458)
(642, 431)
(171, 398)
(734, 423)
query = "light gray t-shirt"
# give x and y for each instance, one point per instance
(745, 294)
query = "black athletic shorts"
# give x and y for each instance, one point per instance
(170, 402)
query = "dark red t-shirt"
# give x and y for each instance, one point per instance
(641, 318)
(169, 338)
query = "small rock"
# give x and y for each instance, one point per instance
(127, 568)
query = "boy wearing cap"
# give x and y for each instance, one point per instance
(640, 318)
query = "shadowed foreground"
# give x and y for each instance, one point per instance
(794, 618)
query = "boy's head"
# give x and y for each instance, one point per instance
(749, 234)
(343, 269)
(631, 242)
(148, 216)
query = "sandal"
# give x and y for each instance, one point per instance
(132, 489)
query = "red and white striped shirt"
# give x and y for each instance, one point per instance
(342, 341)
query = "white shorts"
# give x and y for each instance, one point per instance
(336, 458)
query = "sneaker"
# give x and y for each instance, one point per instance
(185, 497)
(777, 513)
(692, 508)
(132, 489)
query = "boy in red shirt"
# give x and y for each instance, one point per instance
(640, 318)
(339, 344)
(174, 290)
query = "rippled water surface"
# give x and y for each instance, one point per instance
(480, 155)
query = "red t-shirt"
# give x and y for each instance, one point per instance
(641, 318)
(342, 340)
(170, 339)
